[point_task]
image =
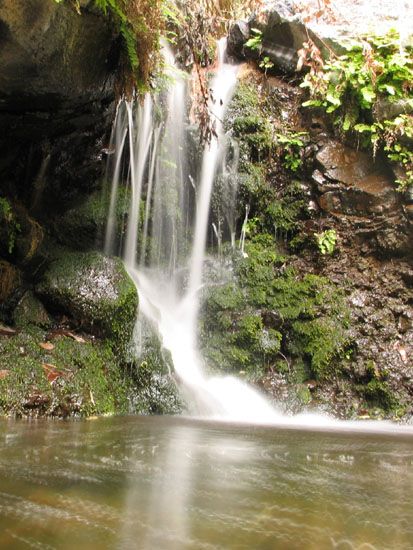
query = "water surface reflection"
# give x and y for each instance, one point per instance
(170, 483)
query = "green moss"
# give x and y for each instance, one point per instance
(96, 291)
(83, 226)
(377, 393)
(30, 311)
(320, 340)
(10, 227)
(73, 378)
(270, 312)
(154, 389)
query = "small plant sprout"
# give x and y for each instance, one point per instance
(326, 241)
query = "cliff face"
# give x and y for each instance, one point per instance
(319, 182)
(56, 93)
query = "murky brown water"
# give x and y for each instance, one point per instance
(170, 483)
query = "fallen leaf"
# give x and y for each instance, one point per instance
(46, 345)
(4, 373)
(7, 331)
(76, 337)
(65, 332)
(51, 372)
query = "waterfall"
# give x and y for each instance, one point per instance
(178, 206)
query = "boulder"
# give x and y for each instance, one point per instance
(239, 33)
(83, 226)
(353, 183)
(95, 291)
(50, 54)
(283, 35)
(30, 311)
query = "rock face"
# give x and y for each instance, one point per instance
(360, 192)
(94, 290)
(283, 35)
(50, 54)
(57, 71)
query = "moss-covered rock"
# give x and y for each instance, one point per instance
(83, 226)
(95, 291)
(270, 317)
(154, 389)
(30, 311)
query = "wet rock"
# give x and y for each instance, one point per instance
(386, 109)
(408, 194)
(21, 236)
(49, 54)
(82, 227)
(95, 291)
(364, 187)
(394, 239)
(239, 33)
(30, 311)
(342, 164)
(409, 211)
(57, 75)
(405, 322)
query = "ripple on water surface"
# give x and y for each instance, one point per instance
(155, 483)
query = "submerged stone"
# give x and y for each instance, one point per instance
(95, 291)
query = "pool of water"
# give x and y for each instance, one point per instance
(173, 483)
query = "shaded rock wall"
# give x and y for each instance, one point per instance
(57, 74)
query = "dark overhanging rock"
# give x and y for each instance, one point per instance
(58, 72)
(51, 55)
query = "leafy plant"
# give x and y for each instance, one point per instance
(255, 44)
(349, 86)
(266, 64)
(291, 144)
(326, 241)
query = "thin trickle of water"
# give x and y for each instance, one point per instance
(244, 230)
(222, 87)
(116, 148)
(139, 144)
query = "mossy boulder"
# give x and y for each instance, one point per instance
(83, 225)
(95, 291)
(30, 311)
(270, 316)
(154, 389)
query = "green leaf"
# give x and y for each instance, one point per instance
(368, 94)
(389, 89)
(363, 128)
(333, 99)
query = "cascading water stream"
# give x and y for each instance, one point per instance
(157, 160)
